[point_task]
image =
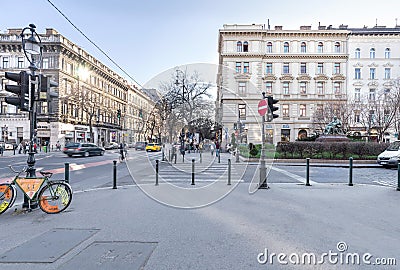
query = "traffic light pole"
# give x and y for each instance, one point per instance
(263, 173)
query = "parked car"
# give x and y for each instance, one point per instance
(112, 145)
(153, 147)
(390, 157)
(140, 146)
(83, 149)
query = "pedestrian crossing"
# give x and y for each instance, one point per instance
(386, 183)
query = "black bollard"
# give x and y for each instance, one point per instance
(157, 172)
(351, 171)
(398, 176)
(66, 172)
(115, 174)
(229, 171)
(192, 171)
(308, 172)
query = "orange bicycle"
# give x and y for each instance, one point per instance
(52, 196)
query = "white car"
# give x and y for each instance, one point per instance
(390, 157)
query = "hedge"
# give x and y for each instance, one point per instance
(330, 150)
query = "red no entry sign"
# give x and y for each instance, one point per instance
(262, 107)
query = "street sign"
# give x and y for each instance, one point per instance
(262, 107)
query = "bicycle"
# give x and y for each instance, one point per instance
(53, 197)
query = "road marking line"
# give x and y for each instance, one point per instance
(294, 176)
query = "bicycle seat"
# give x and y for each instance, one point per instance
(46, 174)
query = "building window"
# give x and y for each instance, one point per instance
(357, 73)
(242, 111)
(320, 88)
(303, 47)
(5, 62)
(372, 74)
(245, 46)
(320, 47)
(269, 47)
(268, 68)
(320, 68)
(303, 68)
(238, 67)
(371, 94)
(337, 47)
(336, 68)
(242, 88)
(246, 67)
(302, 110)
(357, 94)
(303, 88)
(372, 53)
(239, 47)
(45, 63)
(387, 73)
(285, 68)
(285, 110)
(286, 47)
(387, 53)
(357, 117)
(357, 53)
(268, 88)
(20, 62)
(285, 88)
(336, 88)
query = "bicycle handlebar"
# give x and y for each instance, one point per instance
(11, 168)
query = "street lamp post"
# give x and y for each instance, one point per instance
(32, 47)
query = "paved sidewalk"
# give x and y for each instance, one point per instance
(126, 229)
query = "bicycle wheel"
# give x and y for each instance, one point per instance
(7, 196)
(55, 197)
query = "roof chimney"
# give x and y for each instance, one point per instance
(278, 27)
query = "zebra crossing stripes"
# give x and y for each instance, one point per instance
(386, 183)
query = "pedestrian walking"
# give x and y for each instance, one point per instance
(217, 147)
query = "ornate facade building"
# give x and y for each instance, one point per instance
(94, 103)
(306, 69)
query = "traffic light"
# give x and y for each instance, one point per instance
(272, 109)
(21, 90)
(119, 113)
(45, 85)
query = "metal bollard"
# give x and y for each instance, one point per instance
(66, 172)
(162, 154)
(201, 159)
(192, 171)
(398, 176)
(115, 174)
(157, 172)
(229, 171)
(175, 157)
(169, 155)
(219, 157)
(351, 171)
(308, 172)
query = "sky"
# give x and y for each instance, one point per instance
(149, 37)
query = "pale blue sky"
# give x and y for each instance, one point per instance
(147, 37)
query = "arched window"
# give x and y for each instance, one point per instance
(320, 47)
(239, 47)
(286, 47)
(387, 53)
(357, 53)
(303, 47)
(245, 46)
(337, 47)
(372, 53)
(269, 47)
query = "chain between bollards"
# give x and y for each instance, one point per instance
(351, 171)
(192, 171)
(114, 174)
(398, 176)
(229, 171)
(157, 161)
(308, 172)
(66, 172)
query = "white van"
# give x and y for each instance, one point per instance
(390, 157)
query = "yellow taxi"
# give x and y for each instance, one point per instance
(153, 147)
